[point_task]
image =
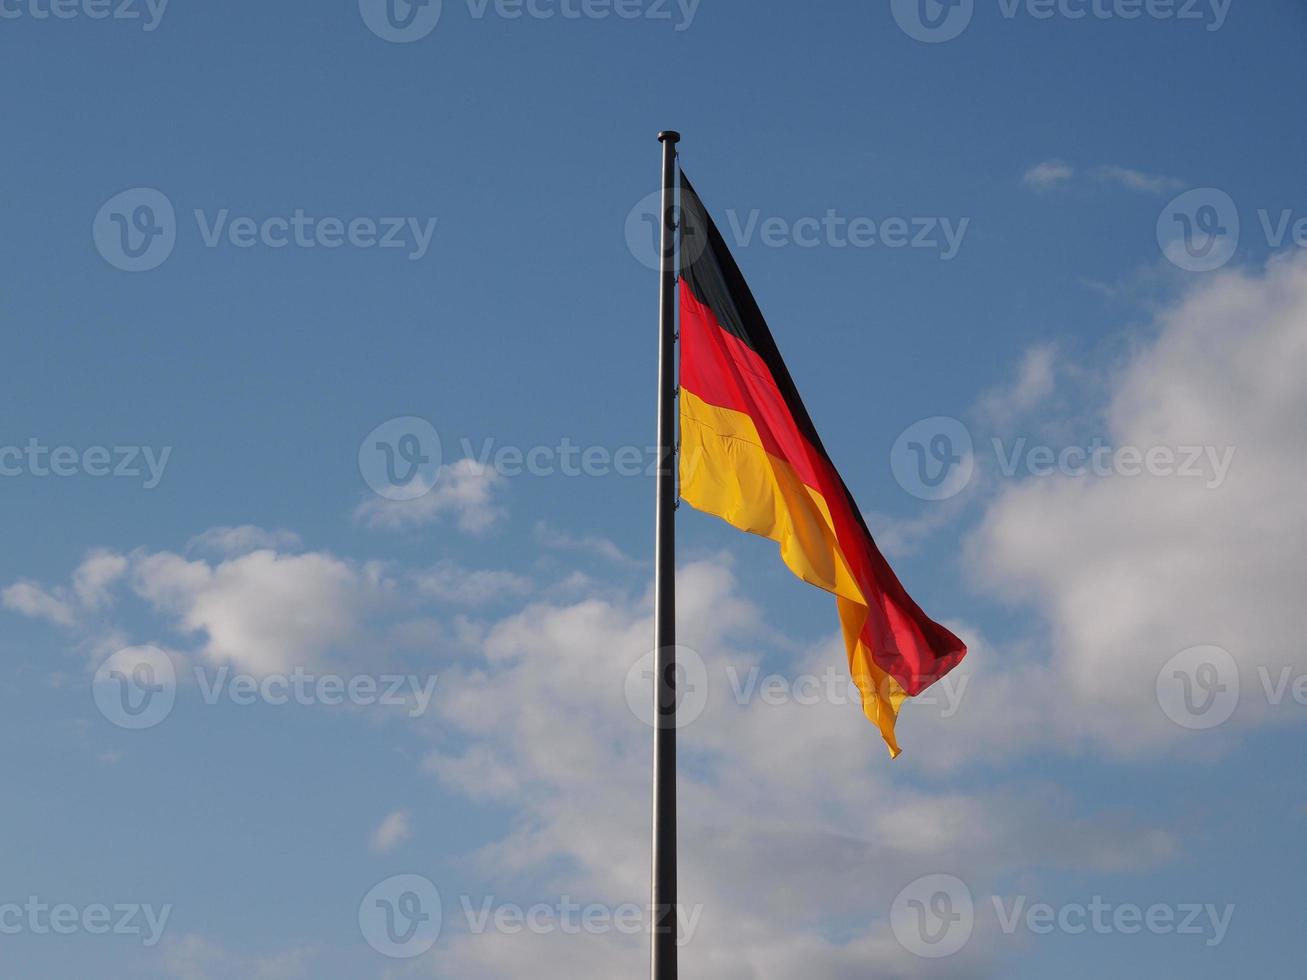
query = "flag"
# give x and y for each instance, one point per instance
(751, 456)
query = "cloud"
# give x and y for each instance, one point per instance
(194, 957)
(1137, 180)
(558, 540)
(88, 591)
(30, 599)
(1047, 175)
(464, 491)
(533, 717)
(394, 830)
(263, 612)
(796, 832)
(1129, 571)
(227, 542)
(449, 582)
(1035, 381)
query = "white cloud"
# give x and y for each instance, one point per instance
(1047, 175)
(1054, 173)
(557, 540)
(394, 830)
(93, 578)
(1129, 571)
(464, 491)
(448, 581)
(193, 957)
(796, 829)
(227, 542)
(88, 592)
(30, 599)
(1035, 381)
(263, 612)
(1137, 180)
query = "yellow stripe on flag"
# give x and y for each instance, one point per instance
(726, 472)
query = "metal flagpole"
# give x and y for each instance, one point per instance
(664, 759)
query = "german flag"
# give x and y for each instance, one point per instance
(751, 456)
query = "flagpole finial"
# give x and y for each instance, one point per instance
(669, 136)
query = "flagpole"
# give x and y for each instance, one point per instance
(664, 758)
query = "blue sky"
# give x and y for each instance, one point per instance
(1047, 167)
